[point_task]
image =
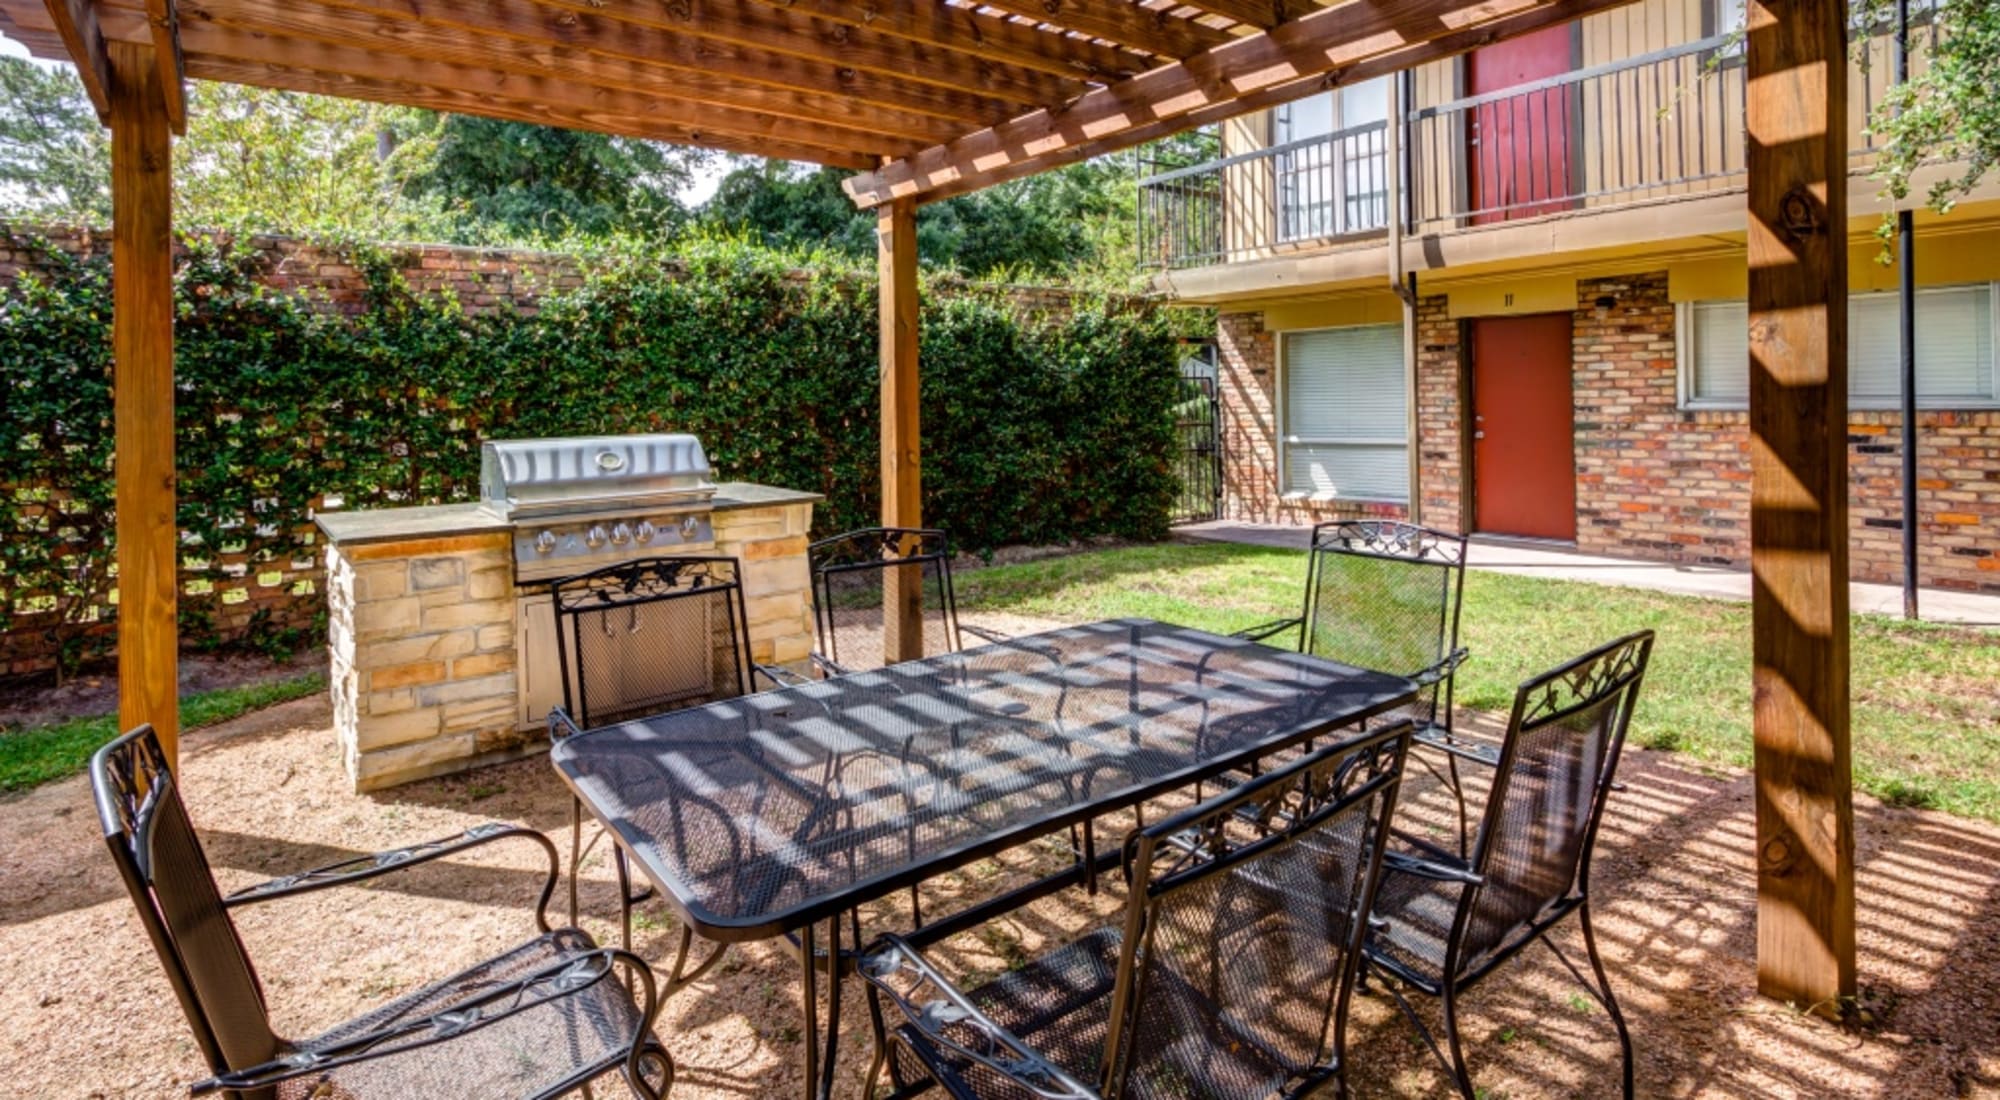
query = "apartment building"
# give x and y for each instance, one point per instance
(1572, 364)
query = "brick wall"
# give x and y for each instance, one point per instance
(1247, 378)
(1659, 482)
(1654, 481)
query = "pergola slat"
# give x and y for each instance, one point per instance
(1154, 31)
(968, 30)
(414, 94)
(1331, 40)
(329, 41)
(164, 19)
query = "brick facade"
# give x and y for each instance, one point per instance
(1654, 481)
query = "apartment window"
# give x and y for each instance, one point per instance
(1346, 414)
(1956, 367)
(1339, 184)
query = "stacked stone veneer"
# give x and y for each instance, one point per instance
(1654, 480)
(422, 640)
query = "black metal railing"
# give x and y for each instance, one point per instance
(1318, 188)
(1666, 124)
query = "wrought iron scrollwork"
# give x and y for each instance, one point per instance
(1390, 538)
(875, 545)
(1585, 680)
(642, 581)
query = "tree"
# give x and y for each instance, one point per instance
(514, 181)
(255, 159)
(55, 158)
(1949, 112)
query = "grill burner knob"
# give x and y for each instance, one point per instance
(594, 537)
(621, 534)
(545, 543)
(689, 526)
(644, 532)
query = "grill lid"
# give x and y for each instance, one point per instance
(544, 476)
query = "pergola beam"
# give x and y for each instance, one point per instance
(142, 351)
(164, 19)
(1150, 30)
(1450, 45)
(75, 23)
(1333, 41)
(1796, 120)
(902, 482)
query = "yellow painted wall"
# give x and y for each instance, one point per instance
(1334, 312)
(1521, 294)
(1948, 253)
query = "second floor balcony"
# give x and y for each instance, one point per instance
(1661, 126)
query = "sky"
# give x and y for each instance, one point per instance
(706, 177)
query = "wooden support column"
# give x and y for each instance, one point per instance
(142, 349)
(902, 482)
(1797, 124)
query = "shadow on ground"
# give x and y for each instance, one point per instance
(90, 1015)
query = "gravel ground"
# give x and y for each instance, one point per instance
(88, 1014)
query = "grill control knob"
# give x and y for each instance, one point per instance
(594, 537)
(689, 525)
(545, 543)
(621, 534)
(643, 533)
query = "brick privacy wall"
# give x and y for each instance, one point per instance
(1247, 378)
(244, 596)
(1656, 481)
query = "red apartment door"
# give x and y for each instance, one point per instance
(1523, 427)
(1518, 146)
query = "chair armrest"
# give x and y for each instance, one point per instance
(545, 986)
(561, 725)
(778, 675)
(1443, 670)
(827, 666)
(1265, 630)
(1438, 870)
(938, 1011)
(362, 868)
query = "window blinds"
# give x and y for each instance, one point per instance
(1346, 413)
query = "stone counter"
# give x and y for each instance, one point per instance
(425, 624)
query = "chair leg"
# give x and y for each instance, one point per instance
(575, 853)
(1461, 1076)
(1610, 1002)
(624, 897)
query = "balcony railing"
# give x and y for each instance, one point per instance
(1664, 125)
(1313, 189)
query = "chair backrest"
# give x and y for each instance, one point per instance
(1556, 766)
(1383, 595)
(160, 858)
(1243, 933)
(648, 636)
(851, 572)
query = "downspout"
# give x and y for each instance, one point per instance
(1906, 263)
(1405, 284)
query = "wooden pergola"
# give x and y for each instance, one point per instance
(930, 98)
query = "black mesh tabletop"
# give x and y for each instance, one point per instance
(764, 813)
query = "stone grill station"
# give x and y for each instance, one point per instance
(441, 639)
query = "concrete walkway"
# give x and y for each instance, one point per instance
(1937, 605)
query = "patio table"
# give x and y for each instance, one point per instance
(781, 812)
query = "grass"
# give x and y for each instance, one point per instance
(1926, 711)
(39, 755)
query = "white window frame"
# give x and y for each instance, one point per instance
(1684, 350)
(1286, 440)
(1295, 219)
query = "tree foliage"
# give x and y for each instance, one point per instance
(1949, 111)
(54, 156)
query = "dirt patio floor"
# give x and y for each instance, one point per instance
(88, 1014)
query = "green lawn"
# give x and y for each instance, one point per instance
(35, 756)
(1926, 698)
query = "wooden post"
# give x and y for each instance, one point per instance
(142, 349)
(902, 482)
(1797, 123)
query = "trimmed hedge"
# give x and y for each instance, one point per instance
(1039, 426)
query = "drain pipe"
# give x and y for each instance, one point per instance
(1405, 284)
(1906, 271)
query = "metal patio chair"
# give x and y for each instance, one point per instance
(644, 637)
(1230, 975)
(1385, 595)
(1444, 923)
(544, 1018)
(849, 574)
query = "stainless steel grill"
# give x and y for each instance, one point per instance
(588, 501)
